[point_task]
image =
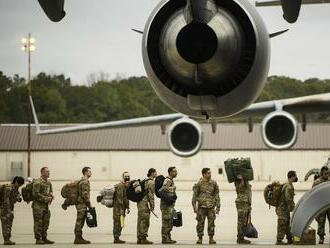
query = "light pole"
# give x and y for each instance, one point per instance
(28, 46)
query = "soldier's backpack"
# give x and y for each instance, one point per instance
(159, 180)
(272, 193)
(27, 192)
(136, 190)
(70, 193)
(106, 196)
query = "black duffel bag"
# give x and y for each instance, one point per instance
(91, 219)
(250, 230)
(177, 218)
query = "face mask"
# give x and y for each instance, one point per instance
(126, 179)
(296, 180)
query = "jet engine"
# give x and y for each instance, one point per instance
(206, 58)
(279, 130)
(184, 137)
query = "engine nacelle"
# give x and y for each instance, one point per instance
(279, 130)
(214, 68)
(184, 137)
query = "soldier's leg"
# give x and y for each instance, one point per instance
(320, 219)
(145, 222)
(138, 228)
(281, 227)
(167, 222)
(46, 220)
(288, 228)
(38, 222)
(80, 220)
(200, 217)
(210, 221)
(7, 218)
(116, 226)
(242, 215)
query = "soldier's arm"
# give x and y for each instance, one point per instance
(167, 186)
(120, 196)
(37, 195)
(217, 196)
(85, 193)
(151, 195)
(289, 194)
(194, 198)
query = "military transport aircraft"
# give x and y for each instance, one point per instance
(209, 60)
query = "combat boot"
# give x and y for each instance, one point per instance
(200, 240)
(280, 242)
(146, 242)
(138, 241)
(40, 242)
(321, 240)
(8, 242)
(290, 241)
(243, 241)
(212, 241)
(48, 242)
(166, 241)
(119, 241)
(80, 241)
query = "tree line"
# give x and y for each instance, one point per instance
(57, 100)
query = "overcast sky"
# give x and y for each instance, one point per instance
(95, 36)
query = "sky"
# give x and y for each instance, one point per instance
(96, 36)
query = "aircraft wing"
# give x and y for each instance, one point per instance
(298, 105)
(152, 120)
(278, 2)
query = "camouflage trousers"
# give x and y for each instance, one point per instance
(283, 224)
(80, 221)
(321, 219)
(117, 228)
(7, 217)
(243, 211)
(143, 223)
(41, 218)
(202, 214)
(167, 221)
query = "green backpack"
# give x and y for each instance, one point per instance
(272, 193)
(27, 192)
(70, 192)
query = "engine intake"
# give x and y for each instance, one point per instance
(185, 137)
(279, 130)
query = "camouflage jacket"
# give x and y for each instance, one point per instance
(243, 191)
(10, 195)
(84, 191)
(42, 192)
(121, 201)
(149, 198)
(168, 185)
(319, 181)
(286, 202)
(206, 194)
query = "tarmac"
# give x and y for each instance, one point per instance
(62, 224)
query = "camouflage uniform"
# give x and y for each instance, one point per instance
(144, 207)
(206, 195)
(82, 204)
(10, 195)
(321, 218)
(285, 206)
(167, 210)
(42, 197)
(120, 205)
(243, 206)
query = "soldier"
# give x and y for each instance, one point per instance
(285, 206)
(145, 206)
(168, 209)
(120, 206)
(321, 218)
(42, 197)
(243, 206)
(206, 195)
(9, 196)
(82, 205)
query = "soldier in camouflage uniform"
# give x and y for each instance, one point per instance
(82, 205)
(243, 206)
(166, 209)
(206, 203)
(285, 206)
(9, 196)
(120, 206)
(145, 206)
(321, 218)
(42, 197)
